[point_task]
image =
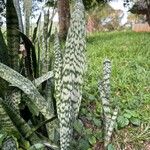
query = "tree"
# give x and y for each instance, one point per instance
(142, 7)
(64, 17)
(92, 3)
(64, 13)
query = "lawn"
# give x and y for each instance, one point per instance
(130, 88)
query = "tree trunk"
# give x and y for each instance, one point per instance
(148, 12)
(64, 17)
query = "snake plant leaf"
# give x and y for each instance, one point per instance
(3, 135)
(13, 43)
(3, 59)
(74, 57)
(13, 38)
(27, 87)
(19, 14)
(111, 127)
(72, 75)
(3, 50)
(58, 64)
(104, 88)
(36, 29)
(45, 52)
(5, 122)
(45, 66)
(37, 146)
(43, 78)
(41, 146)
(27, 14)
(23, 128)
(9, 143)
(51, 20)
(30, 58)
(106, 77)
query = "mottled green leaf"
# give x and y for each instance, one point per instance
(98, 135)
(127, 115)
(2, 137)
(110, 147)
(78, 126)
(135, 121)
(84, 144)
(122, 121)
(88, 132)
(92, 140)
(91, 97)
(27, 87)
(10, 143)
(97, 122)
(37, 146)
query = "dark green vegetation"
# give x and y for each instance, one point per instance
(130, 86)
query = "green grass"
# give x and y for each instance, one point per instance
(130, 56)
(130, 81)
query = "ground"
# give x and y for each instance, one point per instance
(129, 53)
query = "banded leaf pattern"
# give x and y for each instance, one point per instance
(27, 14)
(110, 127)
(13, 42)
(13, 39)
(58, 64)
(18, 121)
(9, 143)
(5, 122)
(27, 87)
(72, 75)
(104, 89)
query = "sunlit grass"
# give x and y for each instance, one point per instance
(129, 53)
(130, 81)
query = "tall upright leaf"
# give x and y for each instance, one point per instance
(18, 10)
(3, 59)
(12, 35)
(72, 75)
(5, 122)
(45, 64)
(9, 143)
(109, 117)
(27, 14)
(30, 58)
(58, 65)
(13, 41)
(45, 52)
(3, 50)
